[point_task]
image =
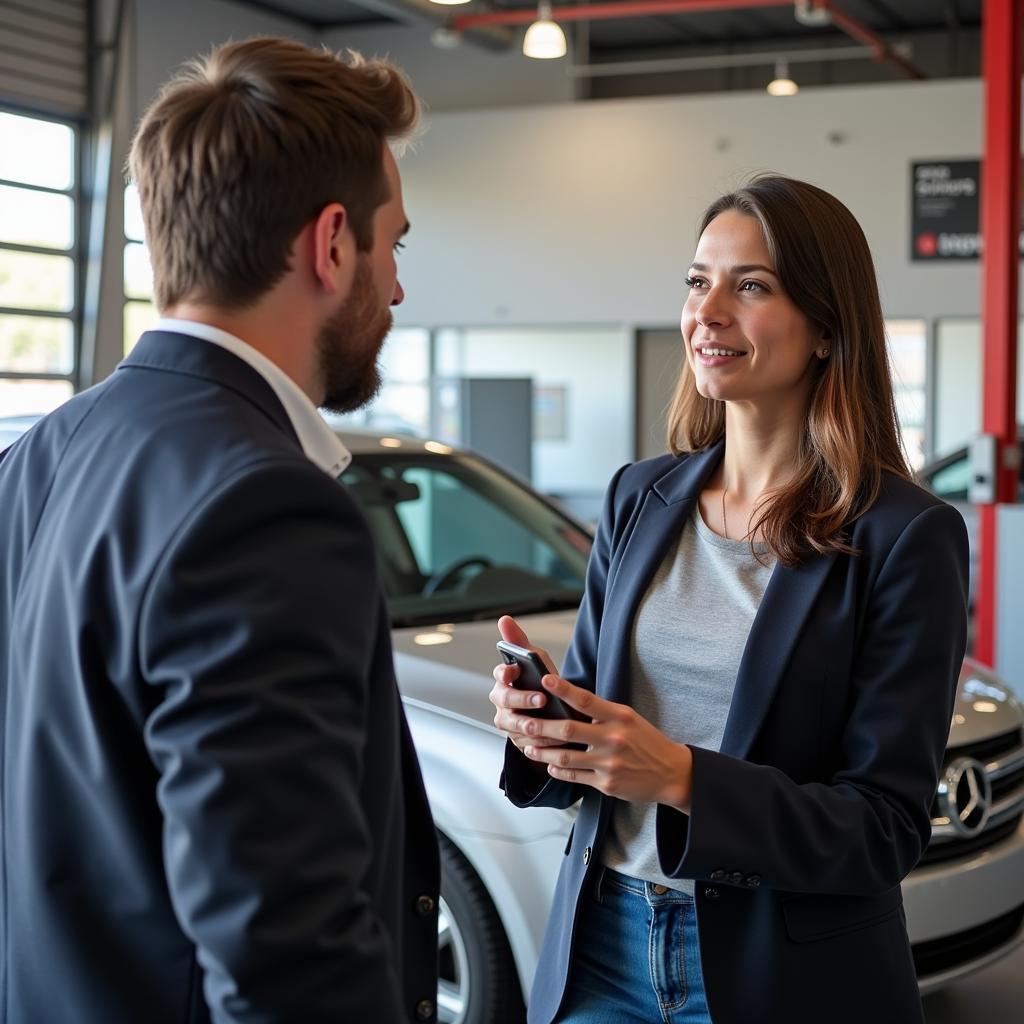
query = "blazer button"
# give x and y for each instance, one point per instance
(753, 881)
(717, 875)
(711, 894)
(425, 1009)
(586, 855)
(736, 877)
(424, 905)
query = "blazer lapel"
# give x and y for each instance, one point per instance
(787, 601)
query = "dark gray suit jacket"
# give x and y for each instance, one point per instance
(211, 806)
(817, 804)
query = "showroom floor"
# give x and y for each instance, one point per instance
(994, 995)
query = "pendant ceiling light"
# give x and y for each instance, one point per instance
(544, 39)
(782, 84)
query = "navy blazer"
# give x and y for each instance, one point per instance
(212, 809)
(817, 805)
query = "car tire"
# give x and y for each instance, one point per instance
(478, 982)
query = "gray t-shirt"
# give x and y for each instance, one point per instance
(688, 638)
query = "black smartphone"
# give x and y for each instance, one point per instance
(531, 671)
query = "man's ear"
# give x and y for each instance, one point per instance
(333, 248)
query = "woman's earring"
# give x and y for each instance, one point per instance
(823, 354)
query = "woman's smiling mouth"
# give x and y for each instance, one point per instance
(716, 355)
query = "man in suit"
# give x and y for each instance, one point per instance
(211, 806)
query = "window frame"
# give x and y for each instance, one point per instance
(75, 252)
(128, 340)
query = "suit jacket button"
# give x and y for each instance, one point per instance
(736, 877)
(710, 893)
(425, 905)
(586, 855)
(717, 875)
(425, 1009)
(753, 881)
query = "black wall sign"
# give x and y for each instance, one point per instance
(944, 204)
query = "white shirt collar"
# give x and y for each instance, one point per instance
(321, 445)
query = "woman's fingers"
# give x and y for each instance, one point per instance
(505, 695)
(594, 707)
(504, 674)
(522, 742)
(511, 631)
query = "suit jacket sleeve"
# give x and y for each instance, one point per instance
(864, 829)
(526, 783)
(258, 627)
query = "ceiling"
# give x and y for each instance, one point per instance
(942, 40)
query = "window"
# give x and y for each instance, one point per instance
(403, 404)
(958, 381)
(908, 355)
(39, 309)
(139, 312)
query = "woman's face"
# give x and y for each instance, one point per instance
(745, 340)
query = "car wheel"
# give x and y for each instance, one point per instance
(478, 982)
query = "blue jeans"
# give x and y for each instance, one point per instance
(636, 959)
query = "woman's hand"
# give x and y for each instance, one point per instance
(626, 756)
(507, 699)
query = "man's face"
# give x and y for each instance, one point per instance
(350, 341)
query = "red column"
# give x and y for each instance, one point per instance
(1002, 44)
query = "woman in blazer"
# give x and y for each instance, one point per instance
(768, 650)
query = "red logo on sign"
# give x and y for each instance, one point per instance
(927, 245)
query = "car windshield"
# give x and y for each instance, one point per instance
(459, 540)
(950, 482)
(950, 477)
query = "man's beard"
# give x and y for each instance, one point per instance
(350, 342)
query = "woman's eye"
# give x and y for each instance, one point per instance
(694, 282)
(752, 286)
(399, 246)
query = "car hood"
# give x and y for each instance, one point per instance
(985, 707)
(448, 667)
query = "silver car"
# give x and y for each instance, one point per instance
(462, 542)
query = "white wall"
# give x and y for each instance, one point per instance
(958, 382)
(567, 213)
(564, 214)
(466, 78)
(596, 369)
(586, 213)
(169, 32)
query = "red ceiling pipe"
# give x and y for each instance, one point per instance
(882, 50)
(1002, 45)
(650, 8)
(597, 12)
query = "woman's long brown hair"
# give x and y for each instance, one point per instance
(851, 435)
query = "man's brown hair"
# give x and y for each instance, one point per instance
(244, 147)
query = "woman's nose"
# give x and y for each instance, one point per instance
(712, 311)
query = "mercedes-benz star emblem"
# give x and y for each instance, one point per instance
(965, 795)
